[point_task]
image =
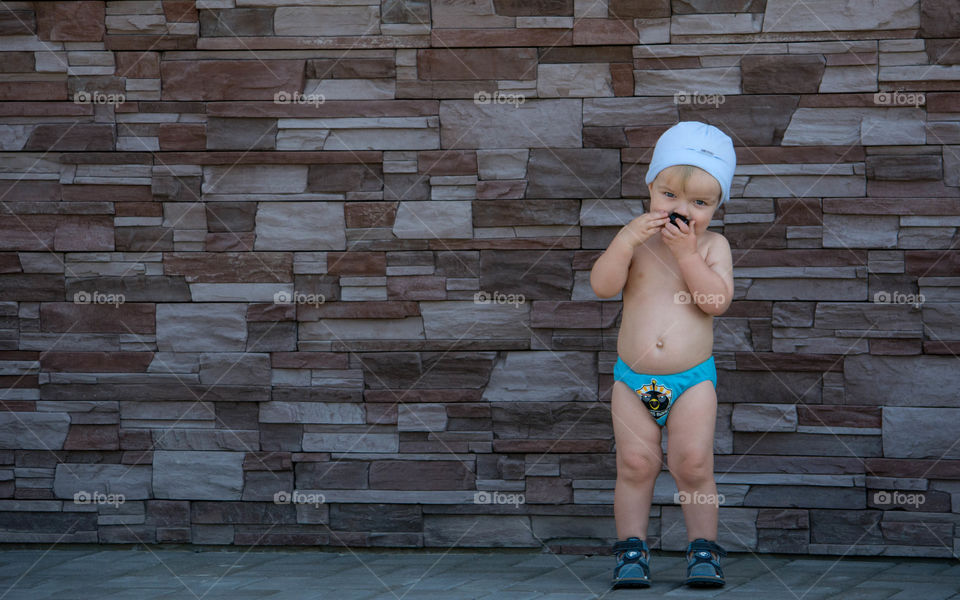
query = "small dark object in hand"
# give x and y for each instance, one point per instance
(674, 216)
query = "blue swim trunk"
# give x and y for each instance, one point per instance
(659, 392)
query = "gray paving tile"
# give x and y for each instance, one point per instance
(503, 595)
(103, 573)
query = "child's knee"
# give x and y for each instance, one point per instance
(692, 467)
(637, 465)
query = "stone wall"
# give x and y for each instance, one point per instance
(242, 243)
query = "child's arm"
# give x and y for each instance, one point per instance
(710, 280)
(609, 273)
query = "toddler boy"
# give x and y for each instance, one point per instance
(675, 277)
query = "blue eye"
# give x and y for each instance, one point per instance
(669, 194)
(701, 201)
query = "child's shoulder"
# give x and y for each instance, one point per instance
(716, 243)
(712, 237)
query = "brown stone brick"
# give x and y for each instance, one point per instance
(62, 233)
(31, 191)
(416, 287)
(229, 242)
(350, 68)
(230, 79)
(144, 42)
(19, 381)
(782, 73)
(892, 206)
(911, 189)
(44, 91)
(799, 258)
(421, 475)
(502, 189)
(645, 137)
(839, 416)
(92, 437)
(144, 239)
(534, 8)
(588, 32)
(622, 75)
(376, 517)
(941, 347)
(548, 490)
(939, 19)
(138, 64)
(358, 310)
(370, 214)
(896, 346)
(932, 263)
(783, 518)
(942, 52)
(798, 211)
(180, 11)
(447, 162)
(345, 178)
(228, 267)
(586, 54)
(646, 9)
(16, 62)
(381, 414)
(138, 209)
(329, 109)
(271, 312)
(452, 38)
(537, 243)
(35, 287)
(96, 362)
(551, 446)
(182, 136)
(477, 63)
(80, 21)
(10, 263)
(356, 263)
(242, 512)
(17, 22)
(71, 136)
(231, 216)
(905, 168)
(127, 317)
(331, 475)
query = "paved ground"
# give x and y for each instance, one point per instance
(147, 573)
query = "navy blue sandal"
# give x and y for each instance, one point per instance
(633, 563)
(702, 568)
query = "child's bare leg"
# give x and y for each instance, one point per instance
(638, 462)
(690, 429)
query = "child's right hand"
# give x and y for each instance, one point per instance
(641, 228)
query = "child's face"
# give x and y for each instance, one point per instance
(697, 198)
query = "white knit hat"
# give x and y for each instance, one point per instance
(698, 144)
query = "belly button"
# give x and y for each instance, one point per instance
(659, 343)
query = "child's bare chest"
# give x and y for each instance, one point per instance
(654, 267)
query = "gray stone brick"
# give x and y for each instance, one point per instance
(197, 475)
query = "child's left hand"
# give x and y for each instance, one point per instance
(680, 238)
